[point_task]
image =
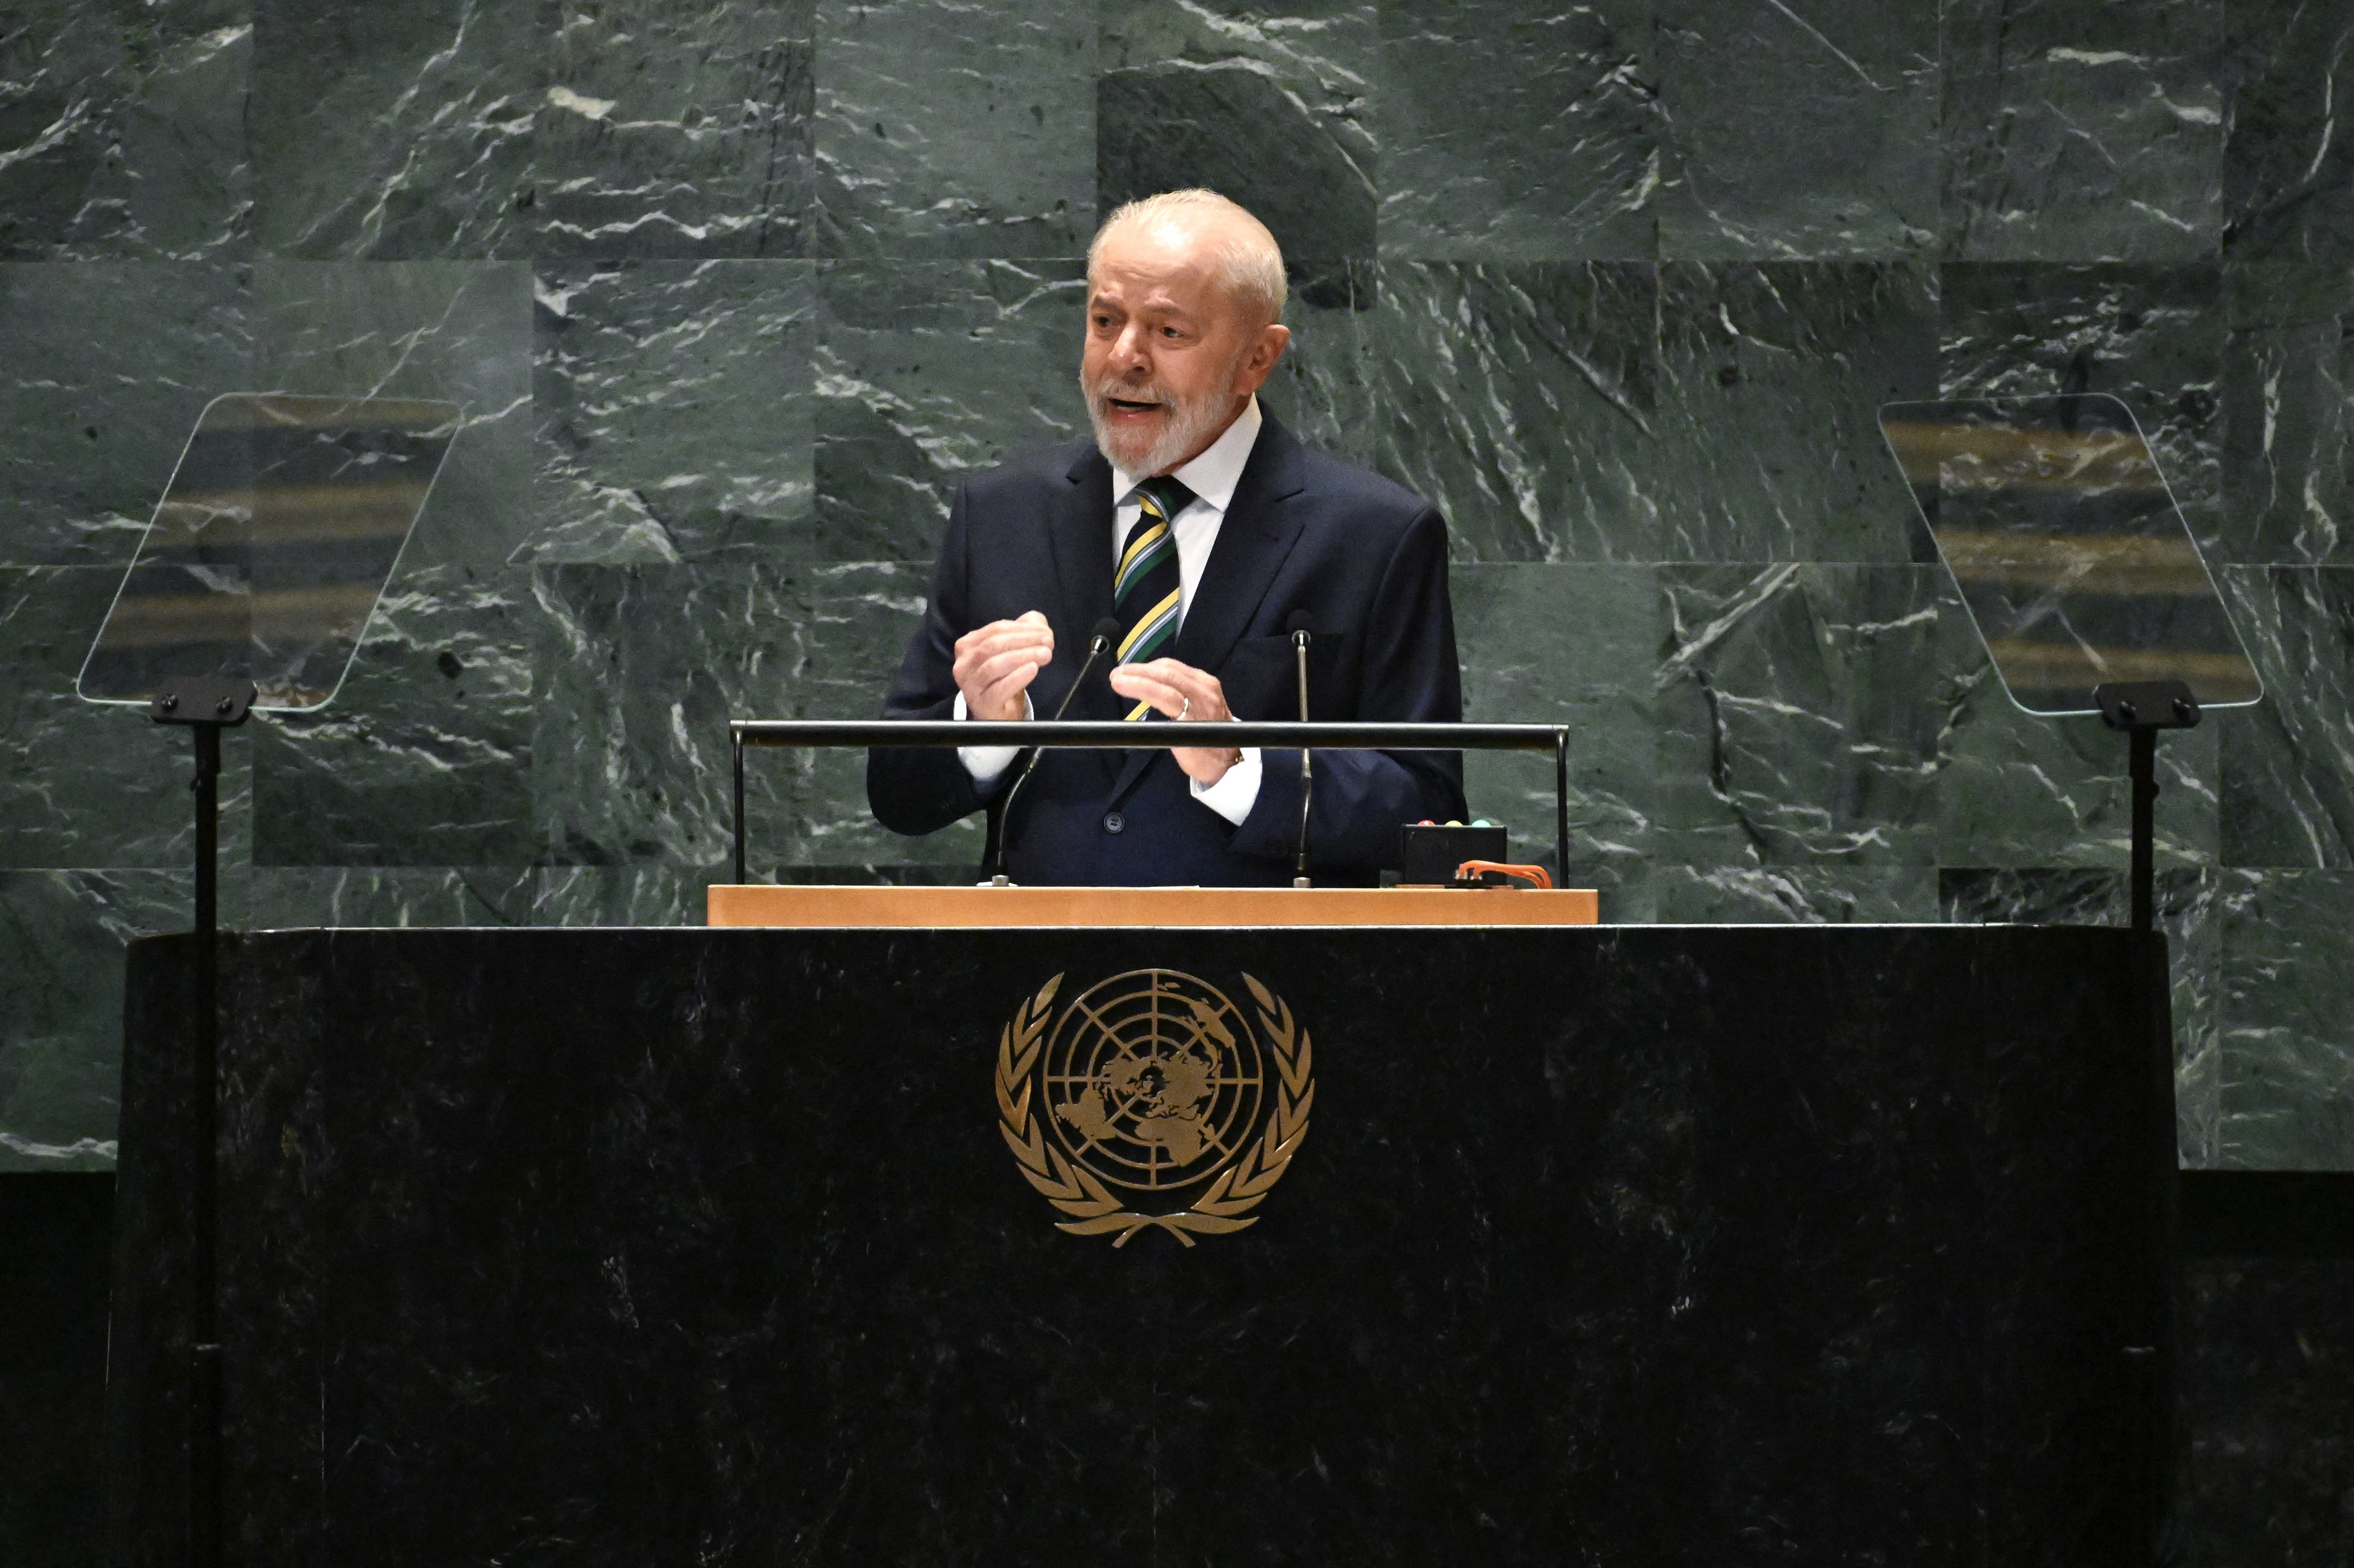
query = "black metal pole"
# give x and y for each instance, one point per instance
(204, 1324)
(2141, 709)
(738, 748)
(206, 787)
(2143, 745)
(1561, 807)
(1306, 762)
(208, 704)
(2157, 1358)
(2162, 1349)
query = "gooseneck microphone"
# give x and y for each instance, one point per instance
(1302, 627)
(1099, 640)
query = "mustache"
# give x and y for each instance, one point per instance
(1105, 389)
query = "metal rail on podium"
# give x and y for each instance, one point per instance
(1120, 736)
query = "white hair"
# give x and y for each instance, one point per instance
(1254, 262)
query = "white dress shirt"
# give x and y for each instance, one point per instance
(1212, 477)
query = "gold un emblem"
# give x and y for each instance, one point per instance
(1150, 1086)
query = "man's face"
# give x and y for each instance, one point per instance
(1170, 356)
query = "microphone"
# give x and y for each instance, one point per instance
(1302, 627)
(1098, 641)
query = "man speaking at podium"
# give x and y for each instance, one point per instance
(1192, 536)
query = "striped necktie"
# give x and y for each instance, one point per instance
(1145, 596)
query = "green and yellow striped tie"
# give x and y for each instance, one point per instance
(1144, 590)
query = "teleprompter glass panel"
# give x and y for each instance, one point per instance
(2074, 563)
(270, 546)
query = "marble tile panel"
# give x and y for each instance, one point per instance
(1522, 399)
(1611, 838)
(2032, 896)
(2288, 988)
(952, 130)
(2082, 132)
(1784, 894)
(453, 330)
(105, 367)
(861, 616)
(122, 129)
(1538, 634)
(2188, 912)
(83, 784)
(674, 403)
(423, 758)
(2149, 335)
(674, 130)
(392, 132)
(2288, 761)
(2189, 907)
(2288, 143)
(1517, 133)
(1800, 715)
(926, 370)
(637, 671)
(622, 895)
(61, 940)
(2288, 408)
(1805, 129)
(1326, 389)
(287, 896)
(1771, 380)
(1267, 105)
(2020, 790)
(1567, 644)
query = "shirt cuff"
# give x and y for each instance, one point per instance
(1232, 796)
(987, 764)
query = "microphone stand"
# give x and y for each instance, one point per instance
(1300, 635)
(1096, 647)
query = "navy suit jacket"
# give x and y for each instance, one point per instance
(1305, 531)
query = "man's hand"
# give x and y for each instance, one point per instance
(995, 665)
(1181, 690)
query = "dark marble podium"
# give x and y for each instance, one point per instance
(1640, 1246)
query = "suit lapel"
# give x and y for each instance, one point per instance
(1254, 539)
(1079, 531)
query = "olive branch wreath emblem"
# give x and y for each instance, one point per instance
(1225, 1207)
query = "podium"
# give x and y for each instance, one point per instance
(1526, 1244)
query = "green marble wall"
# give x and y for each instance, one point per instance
(734, 293)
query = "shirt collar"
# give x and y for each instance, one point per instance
(1213, 475)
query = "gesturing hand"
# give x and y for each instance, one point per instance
(1182, 692)
(995, 665)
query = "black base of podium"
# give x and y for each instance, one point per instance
(1644, 1245)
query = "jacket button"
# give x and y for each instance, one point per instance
(1114, 823)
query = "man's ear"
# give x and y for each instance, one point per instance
(1260, 361)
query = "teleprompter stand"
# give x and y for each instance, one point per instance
(2087, 587)
(258, 573)
(205, 706)
(2141, 709)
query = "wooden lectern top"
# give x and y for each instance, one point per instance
(1018, 906)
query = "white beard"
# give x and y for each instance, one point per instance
(1189, 425)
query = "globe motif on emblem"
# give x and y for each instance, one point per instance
(1152, 1079)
